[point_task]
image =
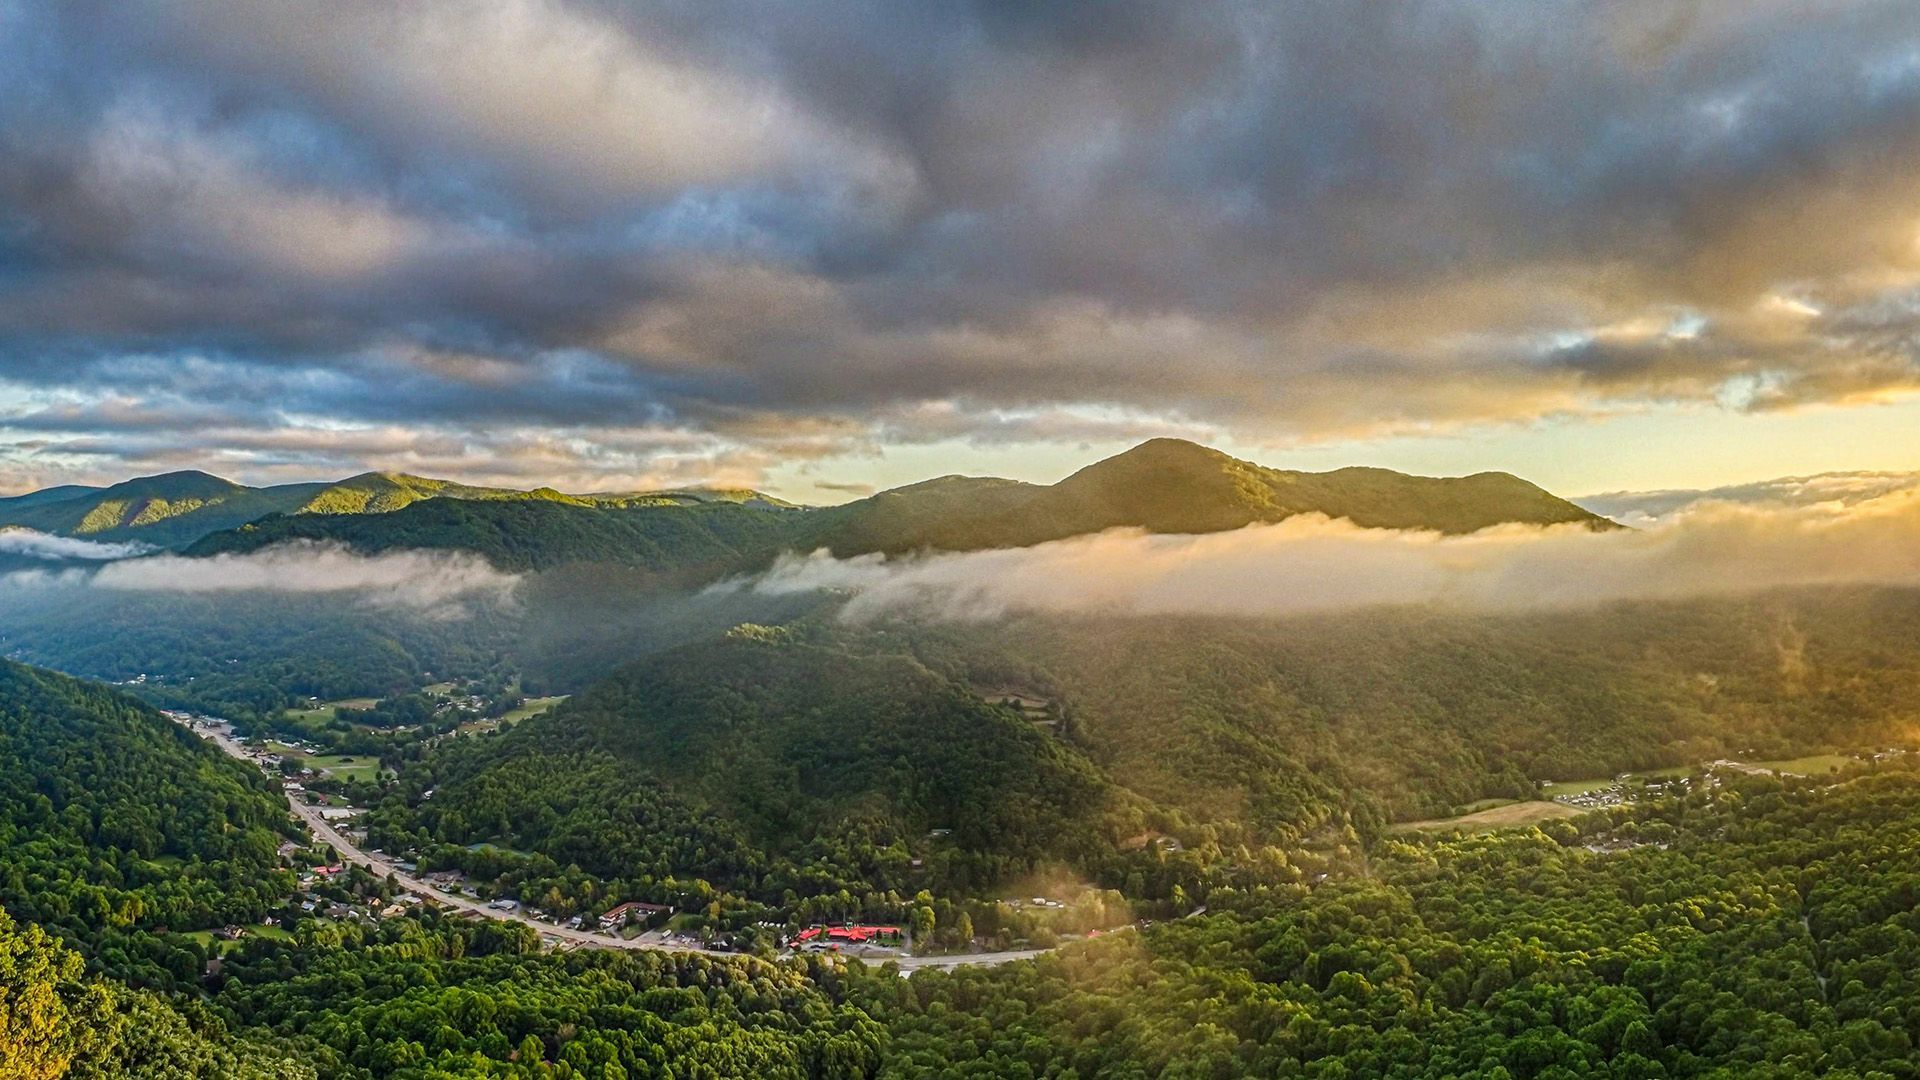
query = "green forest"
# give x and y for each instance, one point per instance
(1750, 926)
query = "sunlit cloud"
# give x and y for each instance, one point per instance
(1310, 563)
(550, 230)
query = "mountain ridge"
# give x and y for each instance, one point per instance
(175, 509)
(1164, 486)
(1161, 485)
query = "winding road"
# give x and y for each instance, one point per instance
(382, 867)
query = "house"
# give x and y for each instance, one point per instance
(632, 911)
(230, 933)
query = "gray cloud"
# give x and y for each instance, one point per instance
(576, 235)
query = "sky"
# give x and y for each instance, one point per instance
(824, 248)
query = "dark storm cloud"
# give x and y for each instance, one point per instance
(625, 240)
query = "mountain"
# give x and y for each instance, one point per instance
(759, 761)
(1174, 486)
(533, 534)
(45, 495)
(118, 831)
(1165, 485)
(176, 509)
(130, 814)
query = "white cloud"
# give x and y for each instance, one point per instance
(1311, 563)
(408, 579)
(39, 545)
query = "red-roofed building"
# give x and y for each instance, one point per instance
(848, 935)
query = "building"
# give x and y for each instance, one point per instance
(632, 911)
(847, 935)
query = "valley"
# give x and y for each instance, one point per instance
(626, 776)
(552, 933)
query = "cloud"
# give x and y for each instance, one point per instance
(562, 223)
(1310, 563)
(39, 545)
(1838, 489)
(416, 580)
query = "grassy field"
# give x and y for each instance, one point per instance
(205, 937)
(534, 707)
(1507, 815)
(1812, 765)
(1561, 788)
(1600, 783)
(326, 711)
(347, 766)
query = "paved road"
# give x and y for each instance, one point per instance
(383, 867)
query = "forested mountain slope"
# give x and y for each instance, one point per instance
(1390, 714)
(117, 826)
(755, 761)
(709, 537)
(57, 1022)
(1762, 932)
(1173, 486)
(114, 821)
(175, 509)
(246, 655)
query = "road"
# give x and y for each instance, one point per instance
(382, 867)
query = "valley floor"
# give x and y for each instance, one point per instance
(556, 935)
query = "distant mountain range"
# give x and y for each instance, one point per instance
(175, 509)
(1164, 485)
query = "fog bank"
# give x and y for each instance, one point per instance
(423, 580)
(38, 545)
(1311, 563)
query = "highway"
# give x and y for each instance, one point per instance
(383, 867)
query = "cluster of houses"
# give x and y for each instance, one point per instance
(1623, 791)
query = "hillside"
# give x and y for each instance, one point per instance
(1173, 486)
(114, 821)
(537, 534)
(760, 763)
(176, 509)
(1164, 485)
(1282, 725)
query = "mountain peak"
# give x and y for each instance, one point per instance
(1166, 452)
(176, 484)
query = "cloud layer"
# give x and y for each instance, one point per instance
(1310, 563)
(422, 581)
(38, 545)
(583, 242)
(1837, 490)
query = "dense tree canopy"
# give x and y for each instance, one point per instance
(115, 823)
